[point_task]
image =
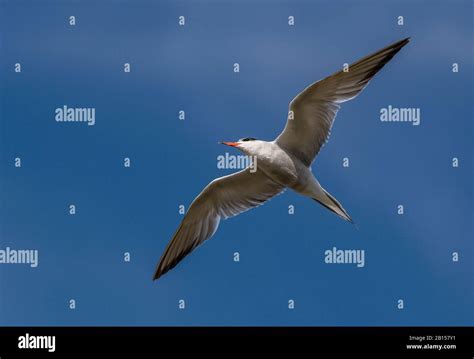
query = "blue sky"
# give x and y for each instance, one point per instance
(189, 68)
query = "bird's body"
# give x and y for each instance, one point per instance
(276, 163)
(279, 164)
(283, 167)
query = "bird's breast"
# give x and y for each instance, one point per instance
(279, 166)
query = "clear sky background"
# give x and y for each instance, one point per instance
(190, 68)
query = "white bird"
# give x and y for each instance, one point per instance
(282, 163)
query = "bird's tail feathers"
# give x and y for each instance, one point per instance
(328, 201)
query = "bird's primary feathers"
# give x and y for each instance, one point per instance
(282, 163)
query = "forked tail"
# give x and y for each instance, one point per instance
(328, 201)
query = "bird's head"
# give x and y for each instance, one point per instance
(248, 145)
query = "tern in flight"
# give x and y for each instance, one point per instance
(282, 163)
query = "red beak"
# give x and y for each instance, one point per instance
(232, 144)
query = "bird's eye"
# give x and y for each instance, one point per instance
(247, 139)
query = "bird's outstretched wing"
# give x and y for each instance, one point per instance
(224, 197)
(312, 112)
